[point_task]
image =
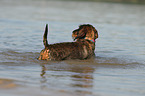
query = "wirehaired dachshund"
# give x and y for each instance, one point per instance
(82, 48)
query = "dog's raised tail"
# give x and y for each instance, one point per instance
(45, 42)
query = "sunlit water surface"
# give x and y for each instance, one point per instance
(117, 70)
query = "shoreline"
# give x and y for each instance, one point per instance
(7, 84)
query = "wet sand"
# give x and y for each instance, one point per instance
(9, 88)
(7, 84)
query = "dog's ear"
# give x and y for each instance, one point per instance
(81, 33)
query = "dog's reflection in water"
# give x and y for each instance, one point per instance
(81, 78)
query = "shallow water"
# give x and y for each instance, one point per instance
(117, 70)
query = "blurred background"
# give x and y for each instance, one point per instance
(122, 1)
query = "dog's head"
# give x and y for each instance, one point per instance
(85, 31)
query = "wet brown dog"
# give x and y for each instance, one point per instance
(82, 48)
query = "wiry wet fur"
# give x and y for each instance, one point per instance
(82, 48)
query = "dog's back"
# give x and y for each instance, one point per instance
(70, 50)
